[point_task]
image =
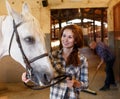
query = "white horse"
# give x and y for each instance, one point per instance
(22, 39)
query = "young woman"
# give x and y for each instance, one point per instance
(70, 61)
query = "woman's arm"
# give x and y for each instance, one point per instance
(81, 80)
(101, 62)
(83, 77)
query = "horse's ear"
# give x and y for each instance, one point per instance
(25, 8)
(10, 11)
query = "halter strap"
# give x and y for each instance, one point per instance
(14, 26)
(38, 57)
(29, 69)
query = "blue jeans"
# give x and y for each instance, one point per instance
(110, 79)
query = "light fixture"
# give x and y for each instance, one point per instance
(45, 3)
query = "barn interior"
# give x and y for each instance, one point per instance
(99, 20)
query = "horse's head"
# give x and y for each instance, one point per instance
(27, 29)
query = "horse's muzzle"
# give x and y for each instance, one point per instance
(41, 79)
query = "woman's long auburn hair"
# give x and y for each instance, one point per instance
(73, 58)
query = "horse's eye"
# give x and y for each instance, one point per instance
(30, 40)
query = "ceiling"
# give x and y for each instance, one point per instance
(62, 15)
(52, 2)
(95, 13)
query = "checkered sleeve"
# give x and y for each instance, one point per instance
(83, 76)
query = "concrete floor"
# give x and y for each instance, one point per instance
(19, 91)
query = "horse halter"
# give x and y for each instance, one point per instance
(29, 69)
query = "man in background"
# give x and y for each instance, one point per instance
(108, 57)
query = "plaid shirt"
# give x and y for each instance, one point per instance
(80, 73)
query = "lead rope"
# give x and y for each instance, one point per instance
(60, 78)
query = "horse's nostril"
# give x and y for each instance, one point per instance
(46, 77)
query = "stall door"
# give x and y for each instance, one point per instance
(116, 14)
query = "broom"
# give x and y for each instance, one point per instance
(88, 90)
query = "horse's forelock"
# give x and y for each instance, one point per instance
(29, 18)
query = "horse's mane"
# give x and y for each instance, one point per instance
(1, 20)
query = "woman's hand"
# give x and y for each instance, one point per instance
(73, 83)
(77, 84)
(24, 79)
(70, 83)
